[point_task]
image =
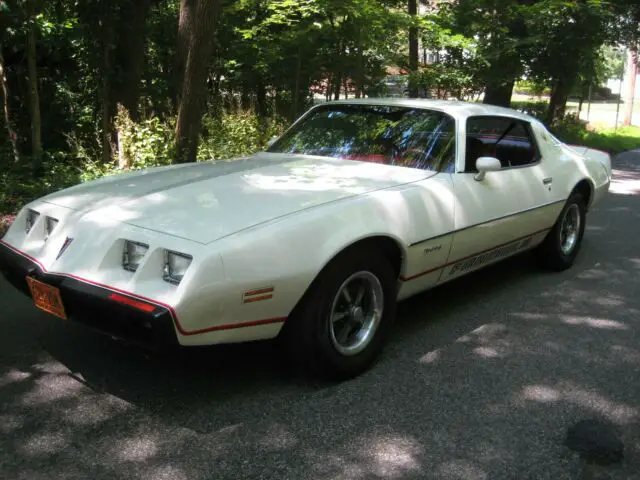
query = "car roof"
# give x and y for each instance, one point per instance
(455, 108)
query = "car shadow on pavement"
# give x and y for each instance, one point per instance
(481, 379)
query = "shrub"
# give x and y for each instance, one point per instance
(235, 135)
(144, 144)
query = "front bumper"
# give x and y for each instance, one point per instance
(91, 305)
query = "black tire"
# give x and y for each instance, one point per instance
(550, 252)
(307, 333)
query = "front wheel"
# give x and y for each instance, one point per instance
(338, 329)
(560, 248)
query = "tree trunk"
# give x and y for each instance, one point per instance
(337, 86)
(261, 98)
(34, 97)
(185, 27)
(500, 94)
(558, 101)
(295, 97)
(105, 93)
(413, 49)
(630, 94)
(13, 137)
(194, 85)
(130, 54)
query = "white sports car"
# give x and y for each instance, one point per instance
(358, 205)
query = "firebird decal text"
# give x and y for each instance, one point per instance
(487, 257)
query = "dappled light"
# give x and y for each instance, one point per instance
(594, 322)
(625, 183)
(481, 379)
(574, 394)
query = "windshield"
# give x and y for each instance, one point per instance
(402, 136)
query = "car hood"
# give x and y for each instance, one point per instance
(210, 200)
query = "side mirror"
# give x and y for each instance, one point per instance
(486, 164)
(272, 140)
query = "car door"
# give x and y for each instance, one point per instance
(508, 210)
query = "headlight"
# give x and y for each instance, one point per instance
(49, 226)
(175, 266)
(133, 254)
(32, 217)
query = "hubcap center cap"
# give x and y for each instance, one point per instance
(357, 314)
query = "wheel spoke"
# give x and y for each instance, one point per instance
(346, 294)
(345, 332)
(360, 295)
(339, 316)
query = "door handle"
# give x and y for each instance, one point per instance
(547, 181)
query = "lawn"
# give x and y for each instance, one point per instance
(609, 140)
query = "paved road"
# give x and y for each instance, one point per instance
(480, 381)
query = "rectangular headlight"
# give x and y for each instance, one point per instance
(32, 218)
(133, 254)
(49, 226)
(175, 266)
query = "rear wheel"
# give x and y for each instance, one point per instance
(338, 329)
(560, 248)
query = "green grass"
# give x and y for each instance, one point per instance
(609, 140)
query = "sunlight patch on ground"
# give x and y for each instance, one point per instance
(44, 444)
(540, 393)
(624, 183)
(601, 323)
(394, 457)
(51, 388)
(431, 357)
(487, 352)
(93, 409)
(572, 394)
(136, 449)
(13, 376)
(380, 456)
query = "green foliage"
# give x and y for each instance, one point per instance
(443, 81)
(609, 140)
(535, 109)
(148, 143)
(235, 135)
(528, 87)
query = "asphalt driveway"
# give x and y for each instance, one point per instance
(480, 381)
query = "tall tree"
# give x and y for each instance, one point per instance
(34, 97)
(413, 48)
(13, 137)
(200, 33)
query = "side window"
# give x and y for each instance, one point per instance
(508, 139)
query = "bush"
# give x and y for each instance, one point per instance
(235, 135)
(145, 144)
(609, 140)
(535, 109)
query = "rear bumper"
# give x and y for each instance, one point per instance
(91, 305)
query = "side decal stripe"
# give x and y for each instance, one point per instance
(448, 264)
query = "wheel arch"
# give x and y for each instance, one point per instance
(586, 188)
(390, 246)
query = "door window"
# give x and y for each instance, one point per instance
(508, 139)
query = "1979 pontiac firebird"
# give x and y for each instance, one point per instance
(358, 205)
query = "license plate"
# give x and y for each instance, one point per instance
(46, 297)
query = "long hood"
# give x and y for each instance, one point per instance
(210, 200)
